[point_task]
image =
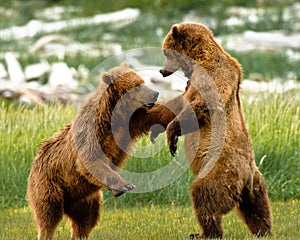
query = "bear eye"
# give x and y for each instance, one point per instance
(167, 54)
(137, 87)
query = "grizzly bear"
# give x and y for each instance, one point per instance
(217, 143)
(73, 165)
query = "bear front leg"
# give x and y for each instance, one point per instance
(159, 116)
(173, 131)
(117, 189)
(189, 120)
(155, 130)
(100, 173)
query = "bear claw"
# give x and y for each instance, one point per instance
(128, 187)
(173, 145)
(118, 192)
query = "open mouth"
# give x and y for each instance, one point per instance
(149, 105)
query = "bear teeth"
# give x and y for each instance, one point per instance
(148, 104)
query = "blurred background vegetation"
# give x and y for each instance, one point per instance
(153, 23)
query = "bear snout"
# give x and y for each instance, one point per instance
(165, 72)
(151, 97)
(154, 98)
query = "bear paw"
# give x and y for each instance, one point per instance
(155, 131)
(195, 236)
(118, 192)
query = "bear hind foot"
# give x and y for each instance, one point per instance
(199, 236)
(195, 236)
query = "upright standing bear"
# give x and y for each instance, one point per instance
(217, 144)
(72, 166)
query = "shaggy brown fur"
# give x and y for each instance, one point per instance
(220, 151)
(73, 166)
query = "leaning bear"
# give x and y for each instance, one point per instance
(73, 165)
(217, 142)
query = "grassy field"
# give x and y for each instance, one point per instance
(152, 222)
(274, 124)
(273, 121)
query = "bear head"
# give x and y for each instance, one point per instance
(127, 85)
(185, 45)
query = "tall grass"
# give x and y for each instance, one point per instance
(22, 129)
(273, 122)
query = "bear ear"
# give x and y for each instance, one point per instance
(125, 65)
(175, 31)
(107, 78)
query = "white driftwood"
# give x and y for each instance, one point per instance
(43, 41)
(35, 71)
(273, 39)
(62, 76)
(3, 72)
(250, 40)
(35, 26)
(14, 68)
(34, 95)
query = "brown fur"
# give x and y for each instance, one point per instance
(73, 166)
(227, 176)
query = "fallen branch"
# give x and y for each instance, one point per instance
(35, 27)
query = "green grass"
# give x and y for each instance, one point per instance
(152, 222)
(273, 122)
(22, 130)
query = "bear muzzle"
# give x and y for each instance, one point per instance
(152, 101)
(165, 72)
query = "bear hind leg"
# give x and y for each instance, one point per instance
(47, 219)
(83, 216)
(254, 208)
(210, 202)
